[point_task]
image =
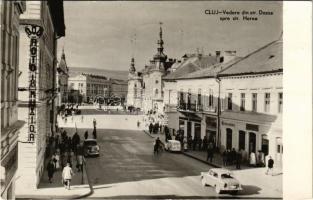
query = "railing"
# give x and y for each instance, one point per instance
(190, 107)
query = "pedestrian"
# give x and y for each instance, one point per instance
(157, 144)
(224, 158)
(194, 143)
(82, 118)
(94, 133)
(270, 165)
(75, 142)
(138, 124)
(252, 159)
(86, 135)
(238, 160)
(210, 152)
(150, 128)
(94, 123)
(50, 169)
(205, 143)
(79, 162)
(67, 174)
(233, 156)
(185, 143)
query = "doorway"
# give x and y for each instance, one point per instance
(229, 138)
(252, 142)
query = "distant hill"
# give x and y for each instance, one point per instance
(122, 75)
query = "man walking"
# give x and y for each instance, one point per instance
(270, 165)
(86, 135)
(67, 176)
(50, 169)
(94, 123)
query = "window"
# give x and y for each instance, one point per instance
(199, 97)
(267, 102)
(242, 101)
(156, 81)
(210, 98)
(242, 140)
(280, 102)
(278, 148)
(156, 92)
(229, 101)
(254, 102)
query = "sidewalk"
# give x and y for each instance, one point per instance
(251, 178)
(56, 190)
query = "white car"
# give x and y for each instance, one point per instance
(221, 179)
(173, 145)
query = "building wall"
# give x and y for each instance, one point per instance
(134, 93)
(31, 156)
(153, 92)
(10, 126)
(269, 123)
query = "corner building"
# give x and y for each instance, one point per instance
(10, 125)
(49, 16)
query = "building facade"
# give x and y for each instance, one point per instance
(90, 86)
(119, 90)
(251, 113)
(149, 82)
(41, 25)
(237, 104)
(62, 80)
(10, 125)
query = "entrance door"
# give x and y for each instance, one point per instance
(265, 146)
(229, 138)
(197, 130)
(252, 142)
(188, 129)
(242, 140)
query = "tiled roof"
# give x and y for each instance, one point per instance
(184, 69)
(190, 65)
(266, 59)
(209, 71)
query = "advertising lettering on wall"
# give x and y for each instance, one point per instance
(34, 32)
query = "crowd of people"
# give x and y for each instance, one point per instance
(67, 150)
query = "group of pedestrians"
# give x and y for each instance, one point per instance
(67, 150)
(232, 157)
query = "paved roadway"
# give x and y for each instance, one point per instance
(127, 169)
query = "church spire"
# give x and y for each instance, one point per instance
(63, 54)
(132, 68)
(160, 41)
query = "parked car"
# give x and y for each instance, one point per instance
(173, 145)
(221, 179)
(91, 147)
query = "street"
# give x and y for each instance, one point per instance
(127, 168)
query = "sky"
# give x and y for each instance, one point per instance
(106, 34)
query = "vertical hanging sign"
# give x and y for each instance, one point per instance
(34, 32)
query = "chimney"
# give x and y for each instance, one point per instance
(218, 56)
(229, 55)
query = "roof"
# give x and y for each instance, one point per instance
(210, 70)
(95, 76)
(190, 65)
(265, 59)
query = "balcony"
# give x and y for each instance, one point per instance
(192, 107)
(170, 108)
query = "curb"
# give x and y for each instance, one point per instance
(146, 132)
(89, 183)
(203, 161)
